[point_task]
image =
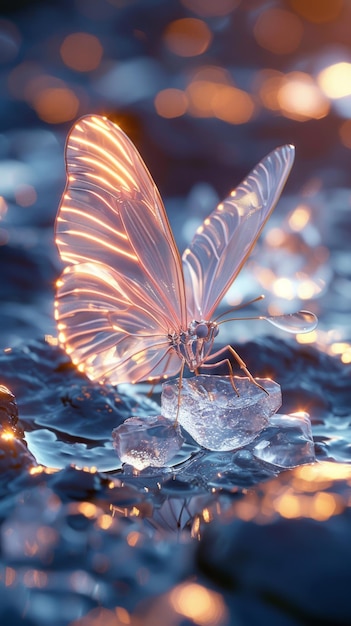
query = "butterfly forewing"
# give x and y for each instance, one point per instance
(124, 290)
(109, 190)
(222, 244)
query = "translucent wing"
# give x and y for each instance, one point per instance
(222, 244)
(110, 326)
(124, 291)
(112, 213)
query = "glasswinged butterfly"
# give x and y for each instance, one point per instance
(128, 307)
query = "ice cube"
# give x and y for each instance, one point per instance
(214, 415)
(147, 441)
(286, 442)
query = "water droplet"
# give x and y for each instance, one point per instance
(300, 322)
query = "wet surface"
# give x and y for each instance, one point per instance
(83, 540)
(104, 536)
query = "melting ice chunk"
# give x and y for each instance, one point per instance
(286, 442)
(147, 441)
(214, 415)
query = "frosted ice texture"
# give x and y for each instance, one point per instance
(214, 415)
(147, 441)
(286, 442)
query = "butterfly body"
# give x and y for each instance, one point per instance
(194, 346)
(125, 297)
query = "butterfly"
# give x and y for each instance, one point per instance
(128, 307)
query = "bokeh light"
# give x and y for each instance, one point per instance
(56, 105)
(203, 606)
(211, 93)
(51, 98)
(104, 617)
(345, 133)
(3, 207)
(268, 83)
(307, 338)
(200, 94)
(318, 11)
(171, 103)
(335, 80)
(81, 52)
(278, 30)
(25, 195)
(300, 217)
(310, 492)
(187, 37)
(300, 98)
(232, 105)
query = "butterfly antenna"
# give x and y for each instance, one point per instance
(294, 323)
(238, 319)
(239, 306)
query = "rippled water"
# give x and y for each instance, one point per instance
(104, 538)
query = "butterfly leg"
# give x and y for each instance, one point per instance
(230, 368)
(241, 364)
(158, 378)
(153, 385)
(179, 401)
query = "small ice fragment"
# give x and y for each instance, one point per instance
(147, 441)
(286, 442)
(214, 415)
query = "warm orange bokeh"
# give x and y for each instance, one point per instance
(318, 11)
(56, 105)
(203, 606)
(232, 105)
(345, 133)
(268, 83)
(278, 30)
(171, 103)
(81, 52)
(188, 37)
(301, 99)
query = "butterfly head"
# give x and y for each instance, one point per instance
(205, 331)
